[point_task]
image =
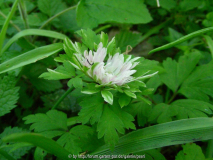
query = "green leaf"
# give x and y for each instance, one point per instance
(210, 43)
(38, 140)
(8, 94)
(30, 57)
(28, 32)
(76, 82)
(125, 38)
(6, 23)
(190, 151)
(161, 135)
(208, 22)
(176, 73)
(130, 94)
(199, 84)
(41, 122)
(69, 139)
(108, 96)
(61, 72)
(181, 109)
(16, 150)
(109, 125)
(187, 5)
(90, 89)
(113, 121)
(45, 85)
(51, 7)
(89, 37)
(182, 39)
(92, 107)
(167, 4)
(90, 13)
(141, 109)
(124, 100)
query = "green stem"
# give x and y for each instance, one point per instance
(209, 149)
(102, 28)
(57, 15)
(6, 23)
(154, 30)
(11, 22)
(23, 13)
(62, 97)
(6, 155)
(172, 98)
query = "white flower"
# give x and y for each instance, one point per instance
(116, 70)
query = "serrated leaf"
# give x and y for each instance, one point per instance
(8, 94)
(141, 109)
(199, 84)
(76, 82)
(61, 72)
(92, 107)
(70, 139)
(89, 37)
(176, 73)
(16, 150)
(181, 109)
(90, 13)
(53, 120)
(108, 96)
(190, 151)
(109, 125)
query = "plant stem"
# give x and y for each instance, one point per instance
(173, 97)
(11, 22)
(209, 149)
(58, 14)
(102, 28)
(6, 23)
(62, 97)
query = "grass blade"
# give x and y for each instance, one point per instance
(6, 23)
(38, 32)
(38, 140)
(182, 39)
(30, 57)
(166, 134)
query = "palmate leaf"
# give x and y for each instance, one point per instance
(92, 107)
(199, 84)
(53, 124)
(53, 120)
(16, 150)
(190, 151)
(8, 94)
(112, 122)
(69, 140)
(176, 73)
(180, 109)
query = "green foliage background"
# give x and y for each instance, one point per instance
(40, 91)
